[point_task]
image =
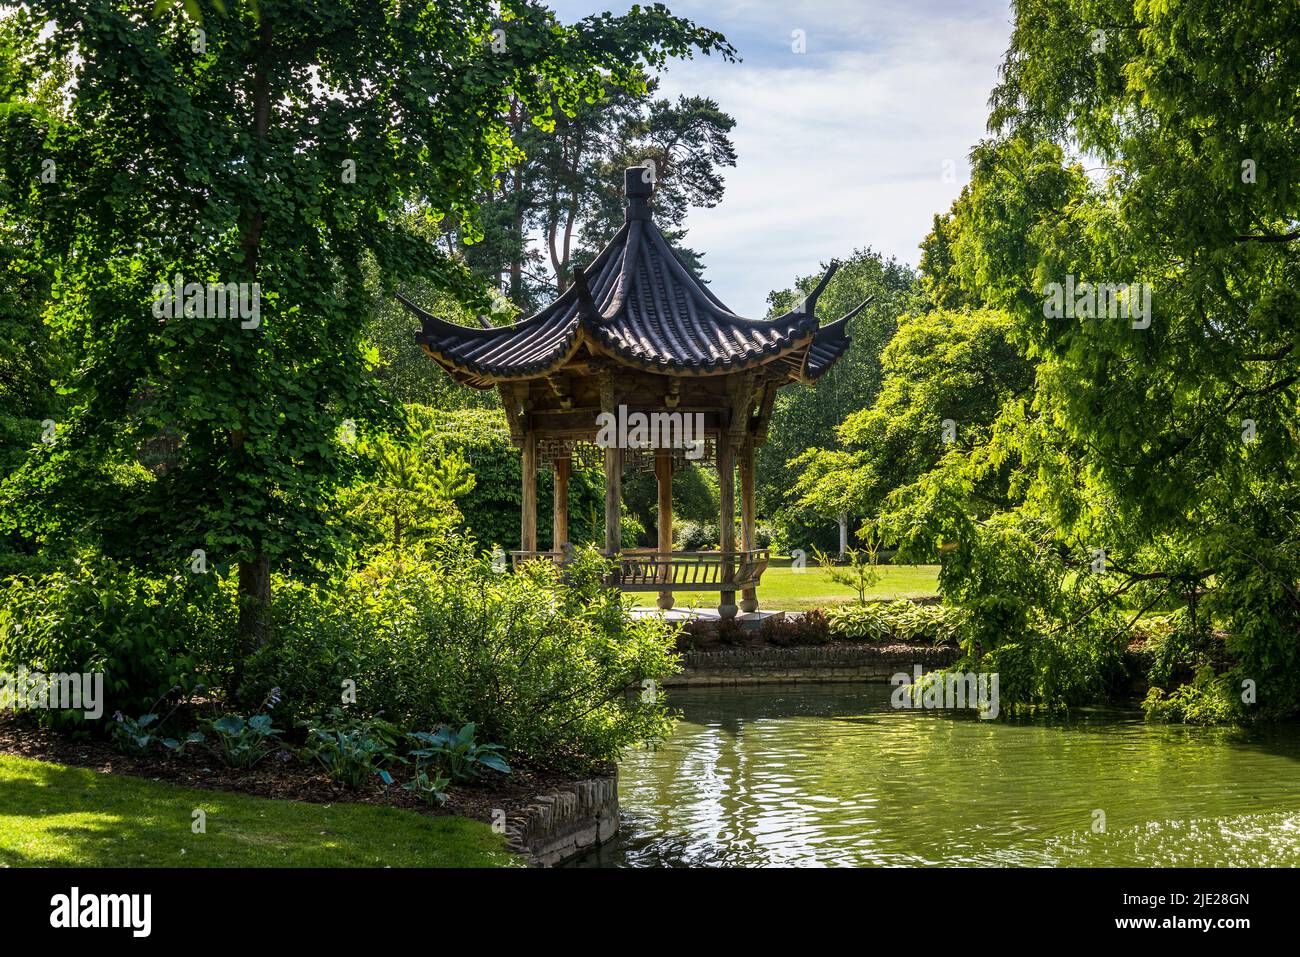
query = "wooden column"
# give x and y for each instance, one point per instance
(613, 501)
(664, 475)
(748, 596)
(528, 500)
(727, 524)
(560, 504)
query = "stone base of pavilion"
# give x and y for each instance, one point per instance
(749, 620)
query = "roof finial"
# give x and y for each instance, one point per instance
(638, 185)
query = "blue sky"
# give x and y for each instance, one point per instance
(839, 147)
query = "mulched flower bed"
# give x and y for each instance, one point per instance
(281, 775)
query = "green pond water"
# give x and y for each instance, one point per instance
(832, 775)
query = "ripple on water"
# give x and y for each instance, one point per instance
(831, 775)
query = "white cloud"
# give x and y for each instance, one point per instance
(843, 146)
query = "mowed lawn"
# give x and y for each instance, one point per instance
(52, 815)
(788, 589)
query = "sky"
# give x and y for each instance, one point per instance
(858, 141)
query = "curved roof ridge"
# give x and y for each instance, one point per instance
(686, 277)
(639, 301)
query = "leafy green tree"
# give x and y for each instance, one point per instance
(407, 495)
(807, 418)
(687, 141)
(566, 188)
(277, 144)
(1163, 443)
(30, 357)
(940, 277)
(947, 376)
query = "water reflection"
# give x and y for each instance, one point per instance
(822, 775)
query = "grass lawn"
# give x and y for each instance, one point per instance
(52, 815)
(783, 589)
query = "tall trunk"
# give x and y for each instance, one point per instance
(557, 266)
(254, 606)
(516, 263)
(517, 196)
(560, 250)
(573, 202)
(568, 240)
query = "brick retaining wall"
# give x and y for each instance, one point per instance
(812, 663)
(566, 823)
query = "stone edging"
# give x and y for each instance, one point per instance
(811, 663)
(566, 823)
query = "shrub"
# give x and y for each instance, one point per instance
(810, 628)
(242, 743)
(352, 750)
(703, 632)
(1208, 699)
(539, 661)
(147, 635)
(694, 536)
(900, 620)
(860, 573)
(1049, 669)
(456, 753)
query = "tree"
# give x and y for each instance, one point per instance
(1162, 440)
(685, 142)
(947, 377)
(406, 494)
(807, 418)
(29, 357)
(566, 187)
(272, 146)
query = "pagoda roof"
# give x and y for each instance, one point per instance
(638, 304)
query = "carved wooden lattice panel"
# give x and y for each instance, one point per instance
(587, 454)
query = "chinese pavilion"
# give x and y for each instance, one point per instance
(636, 332)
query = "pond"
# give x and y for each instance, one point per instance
(832, 775)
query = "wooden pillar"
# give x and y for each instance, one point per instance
(613, 501)
(727, 524)
(560, 504)
(664, 475)
(528, 500)
(748, 596)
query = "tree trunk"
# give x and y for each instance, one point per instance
(516, 264)
(517, 197)
(254, 608)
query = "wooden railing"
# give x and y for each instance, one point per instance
(649, 570)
